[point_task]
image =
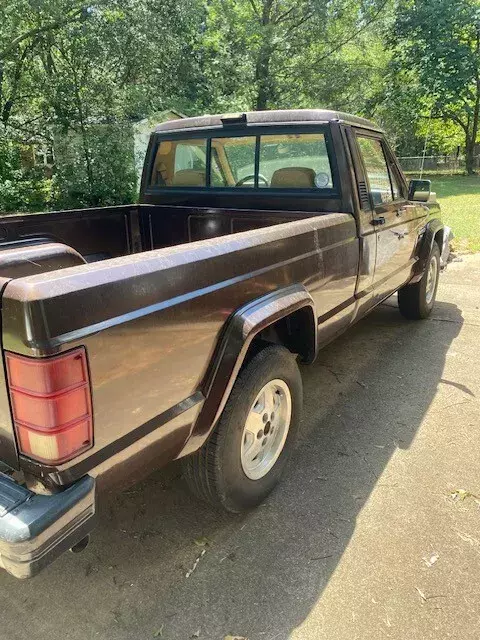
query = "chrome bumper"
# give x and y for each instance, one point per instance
(36, 529)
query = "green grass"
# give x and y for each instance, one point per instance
(459, 198)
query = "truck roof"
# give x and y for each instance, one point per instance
(286, 116)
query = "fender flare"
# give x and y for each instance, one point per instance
(425, 243)
(239, 332)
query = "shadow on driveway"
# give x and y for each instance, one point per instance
(261, 573)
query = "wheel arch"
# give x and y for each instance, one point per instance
(286, 317)
(434, 231)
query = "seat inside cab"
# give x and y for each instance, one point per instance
(294, 178)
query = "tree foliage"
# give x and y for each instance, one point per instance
(21, 188)
(69, 66)
(260, 54)
(77, 73)
(439, 41)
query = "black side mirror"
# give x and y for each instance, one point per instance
(419, 190)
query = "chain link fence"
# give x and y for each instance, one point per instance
(447, 164)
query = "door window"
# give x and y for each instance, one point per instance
(397, 190)
(377, 171)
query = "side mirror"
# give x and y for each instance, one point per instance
(419, 190)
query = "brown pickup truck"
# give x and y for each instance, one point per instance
(136, 335)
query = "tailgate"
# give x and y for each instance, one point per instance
(17, 262)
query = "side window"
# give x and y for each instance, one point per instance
(395, 186)
(377, 170)
(294, 161)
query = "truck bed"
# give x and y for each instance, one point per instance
(151, 321)
(110, 232)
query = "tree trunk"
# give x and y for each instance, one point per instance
(262, 64)
(476, 115)
(1, 82)
(471, 139)
(262, 76)
(469, 155)
(84, 136)
(85, 146)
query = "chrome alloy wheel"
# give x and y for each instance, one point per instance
(266, 429)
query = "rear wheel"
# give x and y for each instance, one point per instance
(416, 301)
(246, 454)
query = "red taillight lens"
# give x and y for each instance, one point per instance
(51, 405)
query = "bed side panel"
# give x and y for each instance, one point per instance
(151, 321)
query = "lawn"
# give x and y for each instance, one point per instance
(459, 197)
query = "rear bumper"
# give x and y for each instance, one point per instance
(36, 529)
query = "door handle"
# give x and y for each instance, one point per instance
(378, 221)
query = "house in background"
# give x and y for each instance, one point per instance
(38, 154)
(47, 156)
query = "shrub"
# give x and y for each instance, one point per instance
(21, 188)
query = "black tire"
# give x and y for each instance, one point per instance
(215, 473)
(412, 299)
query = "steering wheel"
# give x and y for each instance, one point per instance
(242, 181)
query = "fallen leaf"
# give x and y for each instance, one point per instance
(430, 561)
(196, 634)
(159, 632)
(462, 494)
(235, 638)
(202, 542)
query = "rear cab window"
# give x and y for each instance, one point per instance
(283, 160)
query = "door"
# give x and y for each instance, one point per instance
(394, 218)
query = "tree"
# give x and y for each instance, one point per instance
(70, 66)
(24, 29)
(274, 53)
(439, 41)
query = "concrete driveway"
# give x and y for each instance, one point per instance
(374, 533)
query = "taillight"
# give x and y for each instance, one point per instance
(51, 405)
